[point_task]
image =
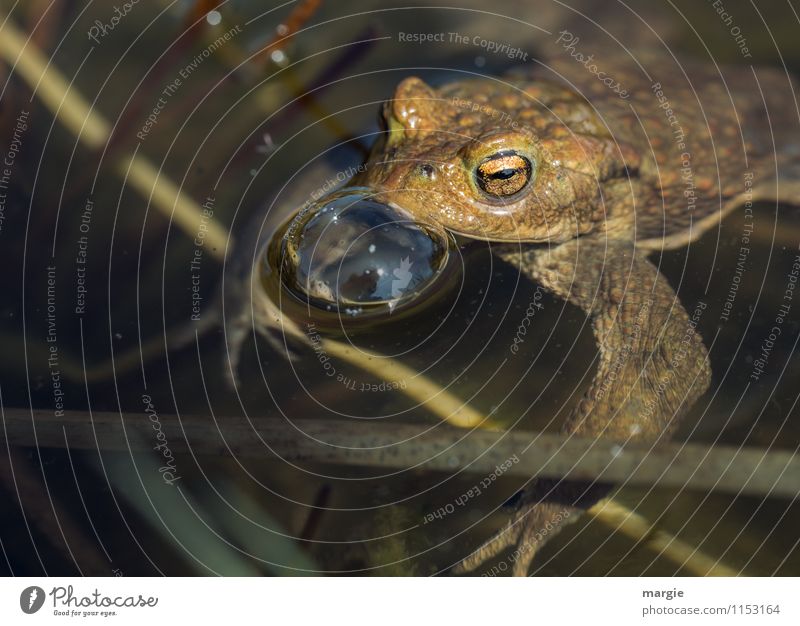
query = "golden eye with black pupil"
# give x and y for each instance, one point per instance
(503, 174)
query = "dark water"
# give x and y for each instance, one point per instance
(235, 137)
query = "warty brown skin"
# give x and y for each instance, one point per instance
(603, 164)
(612, 177)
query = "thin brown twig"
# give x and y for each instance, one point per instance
(741, 471)
(298, 17)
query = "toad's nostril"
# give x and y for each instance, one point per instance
(349, 250)
(427, 170)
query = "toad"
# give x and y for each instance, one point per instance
(579, 184)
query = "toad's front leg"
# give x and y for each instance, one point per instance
(652, 366)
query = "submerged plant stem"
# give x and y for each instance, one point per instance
(92, 129)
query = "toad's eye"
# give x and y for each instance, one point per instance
(503, 174)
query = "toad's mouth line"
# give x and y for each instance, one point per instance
(467, 235)
(497, 238)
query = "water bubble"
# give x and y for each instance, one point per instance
(278, 57)
(350, 251)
